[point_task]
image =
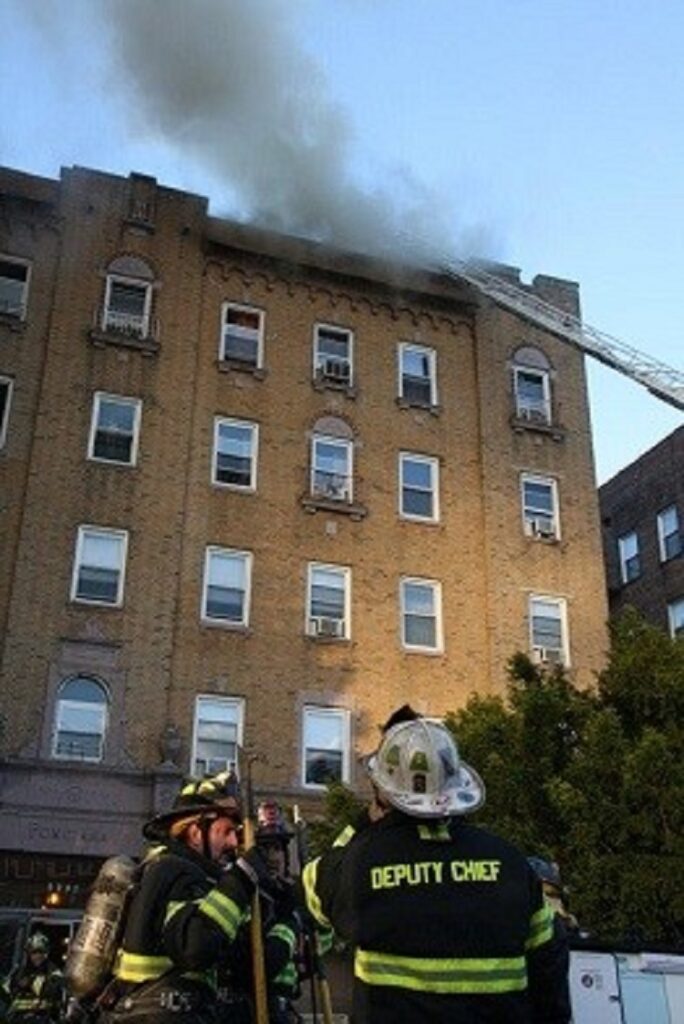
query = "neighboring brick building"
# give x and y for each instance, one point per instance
(642, 511)
(255, 489)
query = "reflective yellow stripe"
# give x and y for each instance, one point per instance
(541, 928)
(324, 941)
(437, 832)
(345, 835)
(313, 901)
(173, 906)
(139, 967)
(281, 931)
(464, 975)
(286, 977)
(223, 911)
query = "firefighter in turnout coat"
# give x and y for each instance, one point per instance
(447, 921)
(36, 988)
(191, 900)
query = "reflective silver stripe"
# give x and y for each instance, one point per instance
(442, 975)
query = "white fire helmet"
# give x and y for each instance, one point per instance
(417, 767)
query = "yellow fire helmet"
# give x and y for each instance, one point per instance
(417, 767)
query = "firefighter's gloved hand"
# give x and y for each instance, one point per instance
(254, 872)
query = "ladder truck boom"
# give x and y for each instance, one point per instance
(663, 381)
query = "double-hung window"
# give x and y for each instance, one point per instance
(14, 285)
(532, 394)
(331, 468)
(630, 561)
(114, 429)
(227, 586)
(548, 630)
(333, 354)
(417, 375)
(235, 454)
(127, 306)
(6, 388)
(325, 746)
(675, 614)
(242, 335)
(99, 566)
(421, 615)
(216, 735)
(80, 720)
(669, 537)
(418, 487)
(328, 603)
(540, 506)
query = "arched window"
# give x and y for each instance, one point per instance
(128, 297)
(532, 385)
(80, 720)
(332, 451)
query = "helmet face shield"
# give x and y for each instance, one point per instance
(418, 769)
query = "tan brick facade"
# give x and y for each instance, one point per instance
(154, 654)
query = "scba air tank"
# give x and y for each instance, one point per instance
(91, 954)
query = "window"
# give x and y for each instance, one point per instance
(227, 586)
(325, 746)
(328, 601)
(6, 388)
(80, 720)
(114, 429)
(669, 537)
(331, 468)
(418, 487)
(127, 306)
(675, 614)
(532, 394)
(540, 507)
(421, 615)
(216, 735)
(99, 566)
(548, 632)
(235, 454)
(630, 563)
(417, 375)
(14, 285)
(333, 354)
(242, 335)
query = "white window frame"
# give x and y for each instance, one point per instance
(436, 587)
(625, 557)
(523, 412)
(672, 616)
(242, 308)
(83, 531)
(319, 359)
(536, 649)
(213, 549)
(4, 424)
(433, 463)
(214, 698)
(532, 525)
(341, 442)
(662, 536)
(138, 282)
(310, 627)
(407, 346)
(219, 421)
(85, 704)
(98, 397)
(333, 712)
(20, 261)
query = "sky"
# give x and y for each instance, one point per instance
(548, 134)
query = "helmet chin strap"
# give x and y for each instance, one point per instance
(205, 824)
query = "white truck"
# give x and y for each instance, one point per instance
(611, 987)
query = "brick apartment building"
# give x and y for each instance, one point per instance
(258, 491)
(642, 510)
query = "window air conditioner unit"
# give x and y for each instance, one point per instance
(325, 625)
(546, 656)
(541, 526)
(338, 490)
(533, 413)
(337, 370)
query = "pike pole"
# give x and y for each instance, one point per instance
(320, 981)
(255, 926)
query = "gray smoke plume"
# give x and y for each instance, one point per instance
(226, 84)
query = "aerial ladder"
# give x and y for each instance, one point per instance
(660, 379)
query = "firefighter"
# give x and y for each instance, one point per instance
(555, 893)
(192, 897)
(447, 921)
(36, 988)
